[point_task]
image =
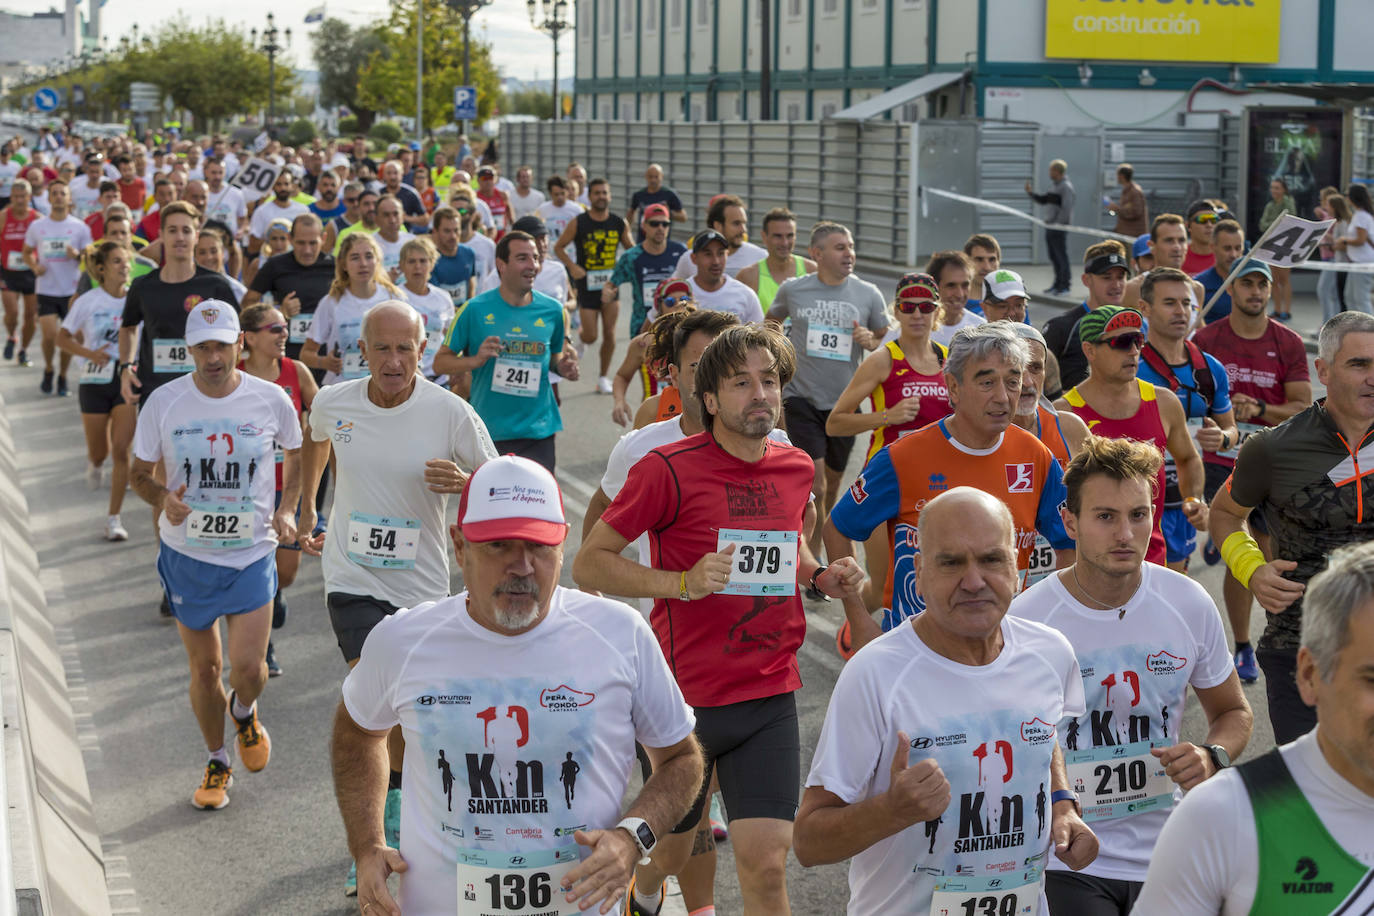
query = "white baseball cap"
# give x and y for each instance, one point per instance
(1003, 284)
(212, 319)
(512, 498)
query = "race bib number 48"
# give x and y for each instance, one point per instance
(171, 356)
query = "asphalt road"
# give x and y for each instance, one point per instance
(279, 847)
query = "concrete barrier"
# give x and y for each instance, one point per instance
(55, 863)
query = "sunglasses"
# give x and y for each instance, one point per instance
(350, 200)
(273, 328)
(925, 306)
(1132, 341)
(464, 210)
(1205, 218)
(657, 223)
(674, 301)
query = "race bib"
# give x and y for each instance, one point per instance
(1243, 430)
(517, 377)
(354, 365)
(54, 249)
(492, 883)
(596, 279)
(382, 542)
(220, 527)
(91, 374)
(433, 341)
(829, 342)
(1119, 780)
(649, 290)
(1041, 563)
(1013, 895)
(298, 327)
(15, 261)
(765, 561)
(171, 356)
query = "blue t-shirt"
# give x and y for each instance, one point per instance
(1211, 282)
(644, 272)
(1194, 404)
(326, 215)
(451, 274)
(511, 392)
(664, 195)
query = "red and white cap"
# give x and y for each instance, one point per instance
(512, 499)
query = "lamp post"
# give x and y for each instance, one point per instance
(466, 9)
(551, 18)
(270, 47)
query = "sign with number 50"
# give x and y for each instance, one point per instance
(256, 177)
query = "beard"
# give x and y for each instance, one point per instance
(518, 619)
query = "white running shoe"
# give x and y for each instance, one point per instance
(114, 529)
(93, 475)
(603, 385)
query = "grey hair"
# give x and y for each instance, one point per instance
(824, 230)
(983, 340)
(1334, 596)
(353, 187)
(1333, 332)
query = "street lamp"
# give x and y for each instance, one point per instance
(270, 47)
(553, 22)
(466, 9)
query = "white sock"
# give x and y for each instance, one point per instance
(242, 712)
(222, 755)
(115, 518)
(649, 901)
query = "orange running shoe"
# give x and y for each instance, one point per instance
(213, 792)
(255, 746)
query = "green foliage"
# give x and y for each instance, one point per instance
(348, 126)
(535, 102)
(386, 132)
(340, 51)
(212, 71)
(387, 80)
(301, 132)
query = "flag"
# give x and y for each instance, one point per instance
(314, 15)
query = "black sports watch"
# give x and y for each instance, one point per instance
(812, 582)
(1220, 759)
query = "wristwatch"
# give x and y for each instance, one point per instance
(812, 582)
(1059, 795)
(642, 834)
(1220, 759)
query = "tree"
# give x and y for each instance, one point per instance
(340, 52)
(387, 81)
(535, 102)
(213, 71)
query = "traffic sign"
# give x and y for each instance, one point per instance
(465, 103)
(78, 94)
(46, 99)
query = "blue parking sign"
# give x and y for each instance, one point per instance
(465, 103)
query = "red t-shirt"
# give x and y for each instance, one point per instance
(96, 223)
(151, 225)
(1194, 263)
(12, 238)
(133, 194)
(688, 496)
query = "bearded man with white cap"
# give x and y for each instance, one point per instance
(215, 429)
(518, 748)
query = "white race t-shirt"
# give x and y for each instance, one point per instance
(945, 333)
(436, 307)
(512, 742)
(992, 731)
(338, 324)
(484, 249)
(1207, 857)
(380, 453)
(557, 218)
(524, 206)
(743, 256)
(8, 172)
(268, 211)
(239, 289)
(96, 316)
(223, 450)
(552, 280)
(85, 199)
(1136, 671)
(733, 297)
(391, 251)
(50, 240)
(227, 206)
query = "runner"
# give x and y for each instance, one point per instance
(209, 254)
(1201, 384)
(596, 237)
(513, 621)
(327, 205)
(483, 248)
(1266, 365)
(1004, 297)
(524, 200)
(334, 342)
(1305, 477)
(496, 200)
(953, 271)
(279, 206)
(1201, 217)
(1169, 246)
(671, 298)
(1104, 276)
(413, 213)
(1288, 833)
(1228, 245)
(1115, 403)
(164, 192)
(734, 655)
(218, 529)
(9, 172)
(91, 331)
(558, 211)
(985, 254)
(434, 305)
(974, 696)
(387, 547)
(455, 265)
(780, 235)
(1142, 635)
(1142, 255)
(975, 445)
(265, 331)
(15, 272)
(296, 281)
(713, 287)
(508, 338)
(727, 217)
(644, 266)
(84, 193)
(835, 318)
(654, 192)
(391, 237)
(1062, 432)
(52, 249)
(350, 196)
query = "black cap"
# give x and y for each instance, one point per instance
(1199, 206)
(531, 225)
(1103, 263)
(706, 237)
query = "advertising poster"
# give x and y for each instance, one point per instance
(1300, 146)
(1226, 31)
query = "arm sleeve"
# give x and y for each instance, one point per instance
(752, 307)
(617, 467)
(1221, 401)
(624, 271)
(133, 307)
(1071, 677)
(1295, 361)
(878, 321)
(661, 716)
(367, 690)
(648, 500)
(851, 747)
(1048, 521)
(873, 498)
(148, 432)
(674, 202)
(456, 338)
(472, 446)
(1214, 662)
(320, 418)
(288, 434)
(322, 326)
(685, 268)
(1250, 479)
(782, 299)
(1198, 863)
(76, 317)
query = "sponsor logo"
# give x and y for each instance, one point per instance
(517, 860)
(444, 699)
(525, 833)
(490, 319)
(1163, 662)
(1021, 477)
(456, 831)
(483, 833)
(539, 322)
(248, 429)
(1037, 731)
(517, 494)
(568, 831)
(343, 430)
(921, 744)
(937, 482)
(191, 302)
(856, 490)
(563, 697)
(211, 315)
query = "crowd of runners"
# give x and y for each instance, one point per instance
(388, 334)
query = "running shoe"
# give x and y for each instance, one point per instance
(633, 907)
(165, 608)
(1210, 554)
(92, 476)
(45, 386)
(1246, 667)
(603, 385)
(391, 818)
(9, 348)
(718, 828)
(213, 793)
(351, 882)
(62, 391)
(255, 746)
(843, 644)
(273, 667)
(114, 529)
(24, 359)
